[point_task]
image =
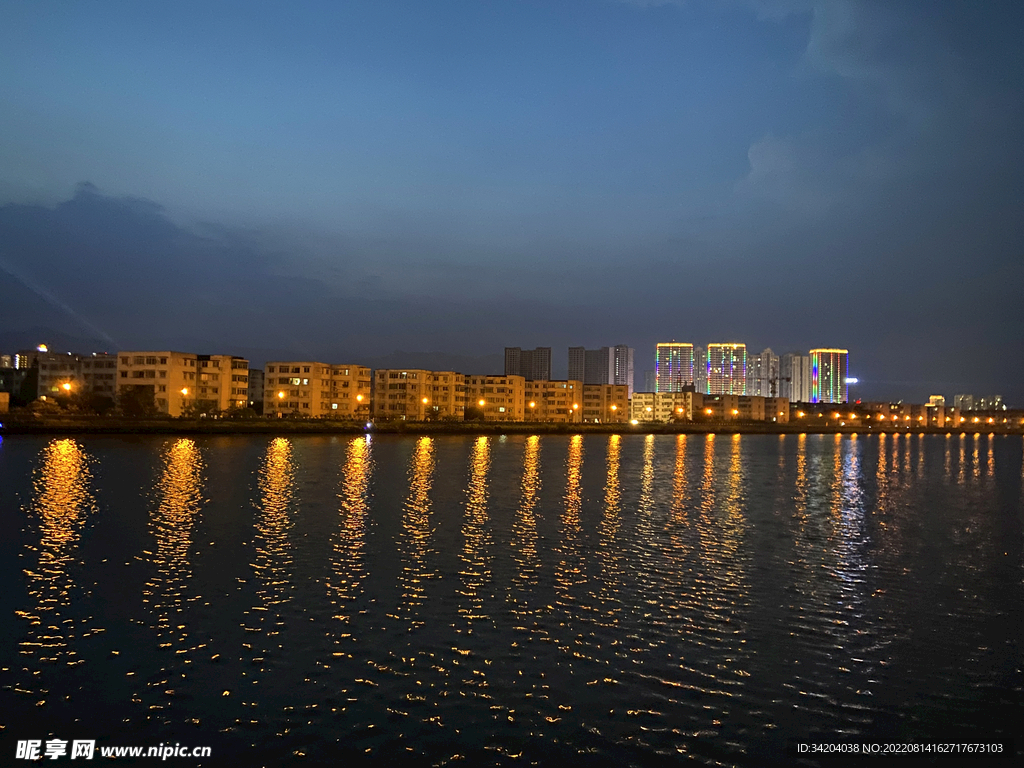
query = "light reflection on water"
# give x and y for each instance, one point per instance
(348, 567)
(167, 592)
(62, 502)
(613, 598)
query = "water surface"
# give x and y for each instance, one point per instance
(609, 600)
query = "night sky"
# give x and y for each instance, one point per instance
(341, 181)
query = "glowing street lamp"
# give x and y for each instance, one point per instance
(66, 386)
(425, 401)
(615, 407)
(480, 403)
(359, 398)
(280, 395)
(184, 391)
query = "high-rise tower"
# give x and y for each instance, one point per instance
(829, 371)
(727, 369)
(673, 366)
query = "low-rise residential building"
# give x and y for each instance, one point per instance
(498, 398)
(664, 407)
(554, 402)
(308, 388)
(413, 394)
(605, 403)
(180, 382)
(71, 374)
(99, 374)
(776, 409)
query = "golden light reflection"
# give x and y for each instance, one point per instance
(475, 555)
(647, 477)
(609, 549)
(347, 551)
(272, 562)
(524, 527)
(416, 532)
(179, 491)
(62, 502)
(645, 555)
(678, 514)
(570, 569)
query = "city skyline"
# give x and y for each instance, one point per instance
(451, 178)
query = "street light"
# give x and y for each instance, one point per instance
(359, 398)
(66, 386)
(480, 403)
(184, 391)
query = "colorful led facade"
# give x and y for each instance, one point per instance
(673, 366)
(829, 372)
(727, 369)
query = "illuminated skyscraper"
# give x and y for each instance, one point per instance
(829, 371)
(727, 369)
(673, 366)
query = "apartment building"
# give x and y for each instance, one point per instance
(417, 395)
(316, 390)
(664, 407)
(605, 403)
(71, 374)
(499, 397)
(180, 381)
(555, 402)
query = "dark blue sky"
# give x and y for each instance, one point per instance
(343, 180)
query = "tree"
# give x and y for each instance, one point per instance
(138, 401)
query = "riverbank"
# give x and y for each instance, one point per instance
(124, 426)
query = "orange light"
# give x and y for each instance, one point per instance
(708, 411)
(425, 401)
(615, 407)
(66, 386)
(359, 398)
(185, 391)
(533, 404)
(735, 412)
(480, 403)
(280, 395)
(575, 406)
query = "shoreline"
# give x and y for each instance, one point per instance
(120, 426)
